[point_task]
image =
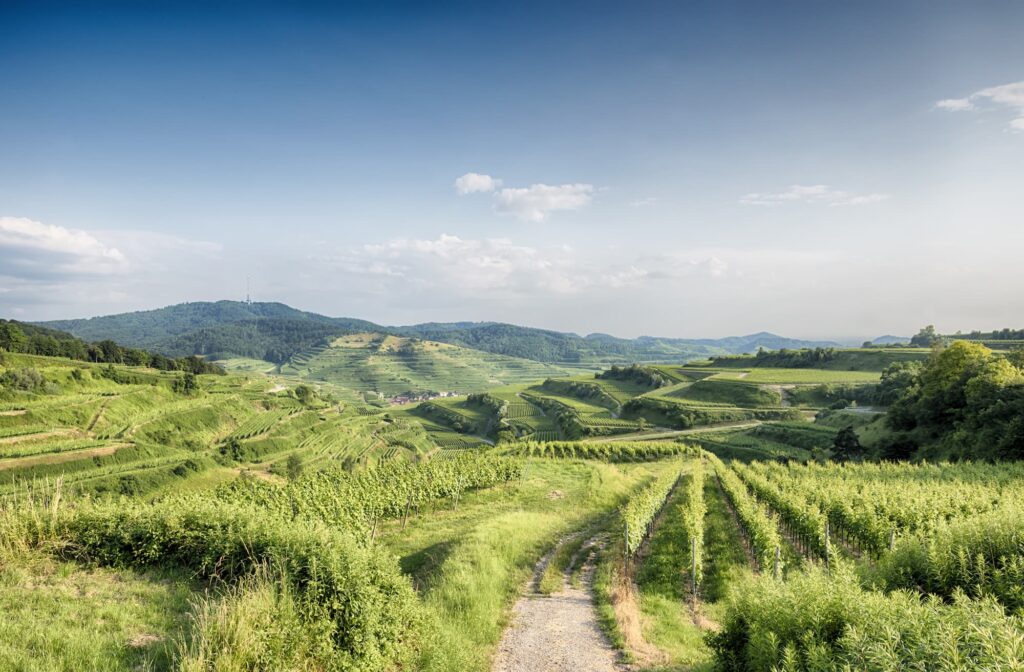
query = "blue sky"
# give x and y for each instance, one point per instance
(685, 169)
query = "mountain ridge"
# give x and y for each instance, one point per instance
(275, 331)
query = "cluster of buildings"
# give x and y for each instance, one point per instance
(410, 397)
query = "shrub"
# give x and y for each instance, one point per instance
(365, 612)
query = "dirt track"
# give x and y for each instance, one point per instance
(559, 633)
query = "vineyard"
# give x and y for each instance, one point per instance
(723, 538)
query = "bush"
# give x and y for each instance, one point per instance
(365, 612)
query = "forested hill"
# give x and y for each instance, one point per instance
(274, 332)
(553, 346)
(157, 328)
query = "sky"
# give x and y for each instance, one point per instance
(697, 169)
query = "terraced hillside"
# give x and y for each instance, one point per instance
(131, 430)
(393, 365)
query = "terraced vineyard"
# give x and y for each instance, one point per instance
(391, 365)
(101, 436)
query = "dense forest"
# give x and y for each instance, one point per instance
(273, 340)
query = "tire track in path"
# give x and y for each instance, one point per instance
(557, 633)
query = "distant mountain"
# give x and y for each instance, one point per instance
(275, 332)
(156, 326)
(763, 339)
(891, 340)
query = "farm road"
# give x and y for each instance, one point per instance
(559, 633)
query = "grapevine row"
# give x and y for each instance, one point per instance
(639, 512)
(758, 522)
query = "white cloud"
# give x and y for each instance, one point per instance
(34, 249)
(53, 271)
(533, 203)
(1005, 96)
(472, 183)
(818, 193)
(643, 202)
(955, 104)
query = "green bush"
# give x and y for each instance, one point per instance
(365, 611)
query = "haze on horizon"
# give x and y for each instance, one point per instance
(818, 170)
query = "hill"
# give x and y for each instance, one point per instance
(889, 339)
(393, 365)
(160, 328)
(275, 332)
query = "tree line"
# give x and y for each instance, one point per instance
(30, 339)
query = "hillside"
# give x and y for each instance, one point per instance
(393, 365)
(275, 332)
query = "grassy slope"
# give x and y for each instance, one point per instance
(61, 616)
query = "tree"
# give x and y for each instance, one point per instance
(293, 467)
(186, 385)
(12, 338)
(925, 338)
(305, 394)
(847, 445)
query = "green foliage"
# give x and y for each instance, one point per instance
(365, 612)
(926, 338)
(36, 340)
(813, 622)
(981, 555)
(847, 445)
(293, 468)
(639, 512)
(357, 502)
(642, 375)
(968, 399)
(760, 526)
(27, 380)
(617, 451)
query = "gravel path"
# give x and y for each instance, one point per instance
(557, 633)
